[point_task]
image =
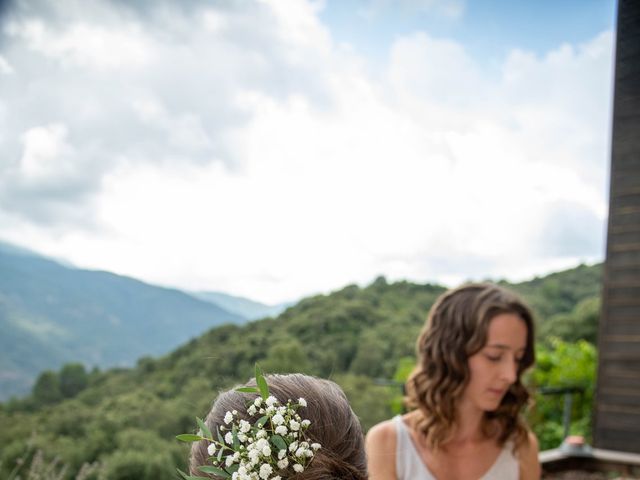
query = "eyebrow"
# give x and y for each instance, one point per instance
(502, 346)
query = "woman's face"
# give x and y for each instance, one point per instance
(495, 367)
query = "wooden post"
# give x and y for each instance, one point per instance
(617, 405)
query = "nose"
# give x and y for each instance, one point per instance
(509, 370)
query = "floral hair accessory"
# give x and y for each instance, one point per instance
(264, 450)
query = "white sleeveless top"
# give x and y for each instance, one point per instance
(409, 464)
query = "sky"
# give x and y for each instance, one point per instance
(277, 149)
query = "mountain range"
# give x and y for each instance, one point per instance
(52, 314)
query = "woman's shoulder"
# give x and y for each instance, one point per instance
(380, 445)
(383, 433)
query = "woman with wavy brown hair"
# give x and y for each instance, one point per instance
(466, 394)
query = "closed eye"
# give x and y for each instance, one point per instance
(493, 358)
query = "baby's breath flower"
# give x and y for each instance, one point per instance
(228, 438)
(271, 400)
(298, 468)
(293, 425)
(211, 449)
(315, 446)
(252, 410)
(245, 426)
(277, 419)
(265, 471)
(281, 430)
(228, 418)
(302, 402)
(305, 423)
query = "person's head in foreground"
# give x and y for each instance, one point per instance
(477, 342)
(466, 392)
(304, 429)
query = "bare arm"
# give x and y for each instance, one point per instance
(380, 445)
(529, 464)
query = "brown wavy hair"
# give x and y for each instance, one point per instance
(333, 424)
(456, 329)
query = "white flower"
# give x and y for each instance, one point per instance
(253, 455)
(211, 449)
(261, 434)
(302, 402)
(228, 461)
(277, 477)
(300, 452)
(282, 454)
(266, 451)
(260, 444)
(228, 418)
(281, 430)
(298, 468)
(228, 438)
(270, 410)
(271, 401)
(293, 446)
(242, 437)
(315, 446)
(265, 471)
(244, 426)
(278, 419)
(294, 425)
(305, 423)
(252, 410)
(258, 401)
(283, 463)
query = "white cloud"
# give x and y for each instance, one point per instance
(253, 155)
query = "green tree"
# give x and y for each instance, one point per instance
(73, 379)
(46, 390)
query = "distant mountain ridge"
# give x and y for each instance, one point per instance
(249, 309)
(51, 314)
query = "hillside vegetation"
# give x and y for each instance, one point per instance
(123, 421)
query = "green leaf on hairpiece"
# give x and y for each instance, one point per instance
(247, 390)
(262, 383)
(188, 437)
(236, 442)
(187, 477)
(261, 421)
(220, 452)
(279, 442)
(205, 430)
(215, 470)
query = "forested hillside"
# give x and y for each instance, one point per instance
(125, 420)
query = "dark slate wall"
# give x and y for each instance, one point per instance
(617, 408)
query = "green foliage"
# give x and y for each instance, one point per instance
(563, 364)
(356, 336)
(580, 323)
(46, 390)
(73, 379)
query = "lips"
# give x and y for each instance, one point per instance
(498, 392)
